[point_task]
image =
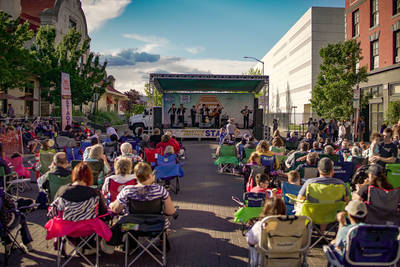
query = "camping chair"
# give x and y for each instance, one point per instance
(74, 163)
(297, 163)
(63, 142)
(367, 245)
(145, 225)
(55, 182)
(150, 155)
(344, 171)
(249, 210)
(268, 162)
(383, 206)
(289, 189)
(73, 153)
(358, 161)
(86, 230)
(393, 174)
(284, 241)
(45, 161)
(334, 157)
(309, 172)
(5, 231)
(322, 203)
(291, 146)
(12, 184)
(84, 145)
(97, 168)
(255, 169)
(167, 170)
(226, 161)
(111, 150)
(247, 153)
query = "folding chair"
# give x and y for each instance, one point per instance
(85, 145)
(247, 153)
(249, 209)
(167, 170)
(227, 160)
(367, 245)
(86, 230)
(393, 174)
(297, 163)
(97, 168)
(11, 182)
(291, 146)
(111, 150)
(145, 225)
(322, 203)
(74, 163)
(63, 142)
(73, 153)
(382, 206)
(309, 172)
(334, 157)
(289, 189)
(150, 155)
(45, 161)
(254, 170)
(284, 240)
(55, 182)
(344, 171)
(5, 231)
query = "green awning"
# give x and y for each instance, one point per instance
(168, 83)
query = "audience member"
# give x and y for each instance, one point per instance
(128, 152)
(387, 150)
(58, 167)
(93, 141)
(294, 177)
(303, 148)
(156, 137)
(377, 178)
(262, 183)
(123, 177)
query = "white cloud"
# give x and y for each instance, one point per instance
(195, 50)
(97, 12)
(134, 77)
(152, 43)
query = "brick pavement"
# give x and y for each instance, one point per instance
(203, 235)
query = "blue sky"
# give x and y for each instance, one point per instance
(184, 36)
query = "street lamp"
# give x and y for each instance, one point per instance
(265, 101)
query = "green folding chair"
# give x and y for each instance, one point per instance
(55, 182)
(393, 174)
(227, 158)
(247, 153)
(322, 204)
(45, 161)
(334, 158)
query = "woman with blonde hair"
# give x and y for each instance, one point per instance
(97, 154)
(264, 151)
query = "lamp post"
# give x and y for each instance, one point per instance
(265, 101)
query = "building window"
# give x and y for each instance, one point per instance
(396, 7)
(374, 13)
(395, 89)
(356, 23)
(72, 24)
(396, 46)
(377, 118)
(374, 55)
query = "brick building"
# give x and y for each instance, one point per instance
(376, 25)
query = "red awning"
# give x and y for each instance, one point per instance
(109, 101)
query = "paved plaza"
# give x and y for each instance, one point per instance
(203, 235)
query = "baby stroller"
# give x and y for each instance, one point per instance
(249, 210)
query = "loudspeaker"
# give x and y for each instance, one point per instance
(258, 132)
(157, 113)
(255, 108)
(258, 118)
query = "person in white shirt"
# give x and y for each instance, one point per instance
(123, 174)
(231, 128)
(342, 131)
(110, 131)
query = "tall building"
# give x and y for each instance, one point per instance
(293, 62)
(376, 25)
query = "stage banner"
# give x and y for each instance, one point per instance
(66, 103)
(231, 103)
(202, 133)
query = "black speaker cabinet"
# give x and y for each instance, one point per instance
(157, 113)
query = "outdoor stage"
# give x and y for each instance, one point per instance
(208, 102)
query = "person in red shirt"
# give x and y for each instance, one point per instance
(262, 181)
(166, 141)
(174, 143)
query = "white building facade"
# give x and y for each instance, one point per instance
(293, 62)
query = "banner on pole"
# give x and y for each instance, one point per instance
(66, 104)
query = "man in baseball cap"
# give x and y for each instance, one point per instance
(356, 212)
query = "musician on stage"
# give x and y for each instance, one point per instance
(171, 113)
(181, 115)
(217, 113)
(246, 114)
(205, 112)
(193, 115)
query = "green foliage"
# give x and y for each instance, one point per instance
(133, 99)
(333, 93)
(393, 113)
(106, 117)
(253, 71)
(138, 109)
(71, 55)
(15, 60)
(152, 98)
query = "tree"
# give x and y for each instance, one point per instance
(70, 55)
(153, 96)
(393, 113)
(332, 95)
(253, 71)
(133, 99)
(15, 60)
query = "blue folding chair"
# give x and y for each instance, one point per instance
(289, 189)
(344, 171)
(85, 145)
(167, 169)
(73, 153)
(367, 245)
(268, 161)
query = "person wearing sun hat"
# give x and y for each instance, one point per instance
(356, 212)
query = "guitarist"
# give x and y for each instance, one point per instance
(246, 114)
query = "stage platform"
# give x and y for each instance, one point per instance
(202, 133)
